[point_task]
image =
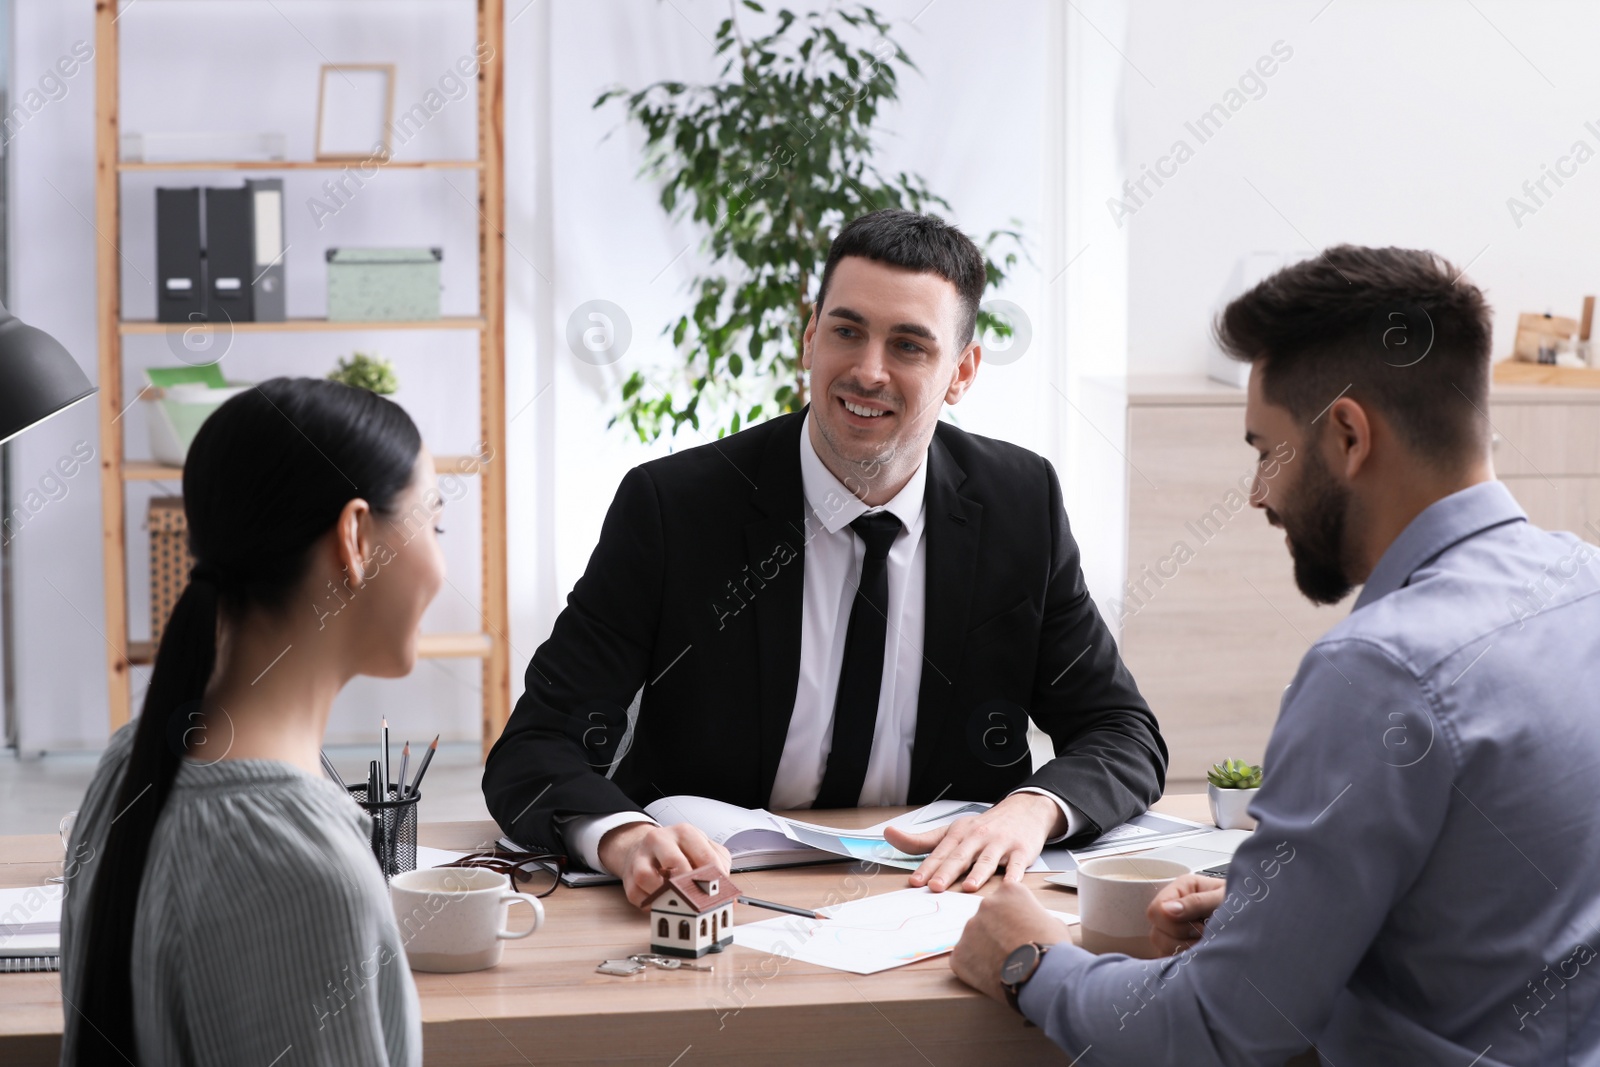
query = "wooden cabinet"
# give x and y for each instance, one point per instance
(1212, 625)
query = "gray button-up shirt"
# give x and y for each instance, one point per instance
(1424, 883)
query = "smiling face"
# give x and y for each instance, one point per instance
(404, 571)
(884, 359)
(1307, 502)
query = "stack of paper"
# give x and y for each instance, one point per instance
(30, 928)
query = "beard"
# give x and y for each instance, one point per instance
(1314, 521)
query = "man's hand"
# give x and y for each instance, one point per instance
(1010, 917)
(643, 854)
(1013, 832)
(1179, 912)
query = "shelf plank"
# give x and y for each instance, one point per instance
(429, 646)
(1514, 372)
(299, 164)
(145, 470)
(446, 322)
(447, 646)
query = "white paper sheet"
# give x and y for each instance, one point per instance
(873, 934)
(435, 857)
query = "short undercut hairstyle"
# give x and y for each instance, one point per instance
(923, 243)
(1396, 329)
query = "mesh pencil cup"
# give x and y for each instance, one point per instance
(394, 829)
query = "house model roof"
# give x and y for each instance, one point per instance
(695, 888)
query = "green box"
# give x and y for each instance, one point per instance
(383, 284)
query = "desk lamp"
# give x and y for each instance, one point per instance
(38, 377)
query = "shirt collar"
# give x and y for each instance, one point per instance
(837, 507)
(1441, 524)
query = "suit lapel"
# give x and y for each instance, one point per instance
(778, 540)
(952, 527)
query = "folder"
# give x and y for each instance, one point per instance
(230, 255)
(180, 266)
(266, 197)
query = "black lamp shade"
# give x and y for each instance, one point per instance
(38, 377)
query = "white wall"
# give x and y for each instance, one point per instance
(581, 225)
(1406, 123)
(972, 133)
(1394, 123)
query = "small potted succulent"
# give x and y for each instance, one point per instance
(1233, 784)
(363, 371)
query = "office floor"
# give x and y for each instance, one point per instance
(36, 792)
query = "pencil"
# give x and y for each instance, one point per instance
(405, 758)
(386, 779)
(805, 913)
(427, 758)
(332, 771)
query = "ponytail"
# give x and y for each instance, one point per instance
(266, 477)
(183, 666)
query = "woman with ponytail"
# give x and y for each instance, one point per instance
(229, 909)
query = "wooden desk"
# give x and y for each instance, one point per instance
(545, 1003)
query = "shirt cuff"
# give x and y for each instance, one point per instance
(1076, 820)
(582, 834)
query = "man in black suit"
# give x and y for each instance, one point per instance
(852, 605)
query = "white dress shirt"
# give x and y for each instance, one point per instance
(833, 555)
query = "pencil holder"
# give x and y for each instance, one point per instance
(394, 829)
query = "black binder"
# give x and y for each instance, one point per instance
(180, 266)
(266, 270)
(230, 255)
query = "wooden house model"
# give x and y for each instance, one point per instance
(692, 914)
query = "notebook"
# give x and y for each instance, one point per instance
(755, 838)
(30, 928)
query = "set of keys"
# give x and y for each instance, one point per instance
(637, 962)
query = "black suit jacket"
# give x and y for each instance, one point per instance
(694, 594)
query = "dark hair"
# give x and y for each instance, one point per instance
(1394, 328)
(917, 242)
(267, 476)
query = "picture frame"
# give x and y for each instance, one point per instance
(355, 107)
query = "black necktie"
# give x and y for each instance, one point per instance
(855, 708)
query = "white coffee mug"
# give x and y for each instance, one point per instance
(1114, 894)
(454, 918)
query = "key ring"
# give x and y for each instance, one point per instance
(667, 963)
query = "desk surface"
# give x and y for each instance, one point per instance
(546, 1004)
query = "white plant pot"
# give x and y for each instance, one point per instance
(1227, 807)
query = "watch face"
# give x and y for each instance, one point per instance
(1020, 964)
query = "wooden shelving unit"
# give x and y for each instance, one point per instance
(301, 164)
(148, 326)
(491, 645)
(437, 646)
(144, 470)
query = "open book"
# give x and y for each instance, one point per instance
(756, 839)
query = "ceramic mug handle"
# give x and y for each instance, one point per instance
(538, 915)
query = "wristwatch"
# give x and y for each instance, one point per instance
(1018, 968)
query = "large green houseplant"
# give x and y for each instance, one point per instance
(771, 160)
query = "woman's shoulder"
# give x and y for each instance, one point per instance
(269, 831)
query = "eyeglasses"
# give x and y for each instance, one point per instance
(535, 873)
